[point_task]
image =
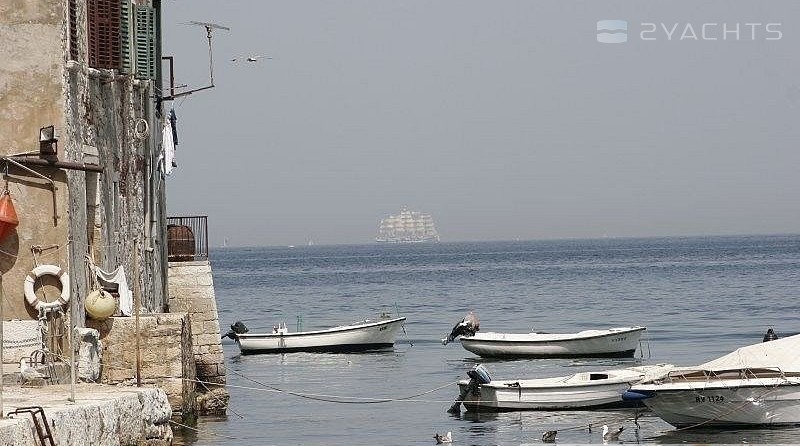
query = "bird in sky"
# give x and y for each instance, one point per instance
(250, 58)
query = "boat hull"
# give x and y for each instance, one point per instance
(726, 404)
(378, 335)
(617, 342)
(493, 399)
(587, 390)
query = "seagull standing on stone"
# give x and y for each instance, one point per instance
(440, 439)
(611, 436)
(29, 373)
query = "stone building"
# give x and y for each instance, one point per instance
(82, 116)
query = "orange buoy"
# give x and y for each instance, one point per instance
(8, 215)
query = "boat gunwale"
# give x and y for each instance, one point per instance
(596, 383)
(716, 384)
(338, 329)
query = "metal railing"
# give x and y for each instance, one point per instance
(187, 238)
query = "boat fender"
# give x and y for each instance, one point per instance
(480, 374)
(637, 395)
(46, 270)
(237, 328)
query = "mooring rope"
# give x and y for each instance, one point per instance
(338, 398)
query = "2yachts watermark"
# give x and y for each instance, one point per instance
(617, 31)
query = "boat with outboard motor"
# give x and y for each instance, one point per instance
(755, 385)
(366, 335)
(579, 391)
(618, 342)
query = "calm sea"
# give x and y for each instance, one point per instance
(700, 297)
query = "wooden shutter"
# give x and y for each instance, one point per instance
(72, 5)
(103, 17)
(126, 61)
(145, 42)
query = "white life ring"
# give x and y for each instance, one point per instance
(46, 270)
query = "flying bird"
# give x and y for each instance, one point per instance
(250, 58)
(611, 436)
(440, 439)
(549, 437)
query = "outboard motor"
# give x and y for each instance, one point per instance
(467, 327)
(770, 335)
(477, 376)
(237, 328)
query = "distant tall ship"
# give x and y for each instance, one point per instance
(407, 227)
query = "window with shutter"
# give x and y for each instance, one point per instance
(126, 64)
(103, 17)
(72, 5)
(145, 42)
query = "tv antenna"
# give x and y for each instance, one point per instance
(209, 28)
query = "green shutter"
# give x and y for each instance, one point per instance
(125, 65)
(145, 40)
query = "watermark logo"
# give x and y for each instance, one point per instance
(616, 31)
(612, 31)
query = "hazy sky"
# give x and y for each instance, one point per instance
(503, 119)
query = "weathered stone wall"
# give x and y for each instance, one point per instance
(31, 97)
(165, 349)
(101, 117)
(102, 415)
(191, 290)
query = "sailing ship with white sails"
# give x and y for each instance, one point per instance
(407, 227)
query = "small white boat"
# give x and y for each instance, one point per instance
(756, 385)
(618, 342)
(584, 390)
(361, 336)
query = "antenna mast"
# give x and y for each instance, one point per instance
(209, 28)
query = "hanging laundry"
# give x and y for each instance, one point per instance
(116, 280)
(173, 121)
(168, 147)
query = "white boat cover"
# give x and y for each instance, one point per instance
(778, 354)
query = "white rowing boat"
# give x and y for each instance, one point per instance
(613, 342)
(362, 336)
(584, 390)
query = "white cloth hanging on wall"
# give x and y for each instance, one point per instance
(116, 279)
(168, 147)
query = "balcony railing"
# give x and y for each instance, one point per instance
(187, 238)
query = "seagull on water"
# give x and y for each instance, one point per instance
(549, 436)
(611, 436)
(443, 438)
(29, 373)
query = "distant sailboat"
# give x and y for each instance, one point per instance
(225, 242)
(407, 227)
